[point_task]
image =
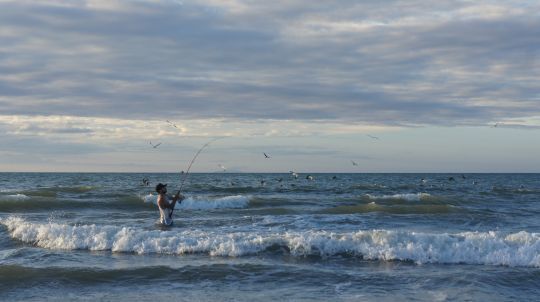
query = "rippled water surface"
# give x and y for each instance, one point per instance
(245, 237)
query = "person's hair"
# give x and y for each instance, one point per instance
(160, 186)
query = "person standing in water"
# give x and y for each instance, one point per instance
(165, 207)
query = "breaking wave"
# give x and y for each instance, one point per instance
(196, 203)
(408, 197)
(483, 248)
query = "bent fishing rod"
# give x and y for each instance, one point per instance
(191, 164)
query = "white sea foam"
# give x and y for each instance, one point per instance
(15, 197)
(197, 203)
(485, 248)
(408, 196)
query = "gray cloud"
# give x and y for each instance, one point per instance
(384, 63)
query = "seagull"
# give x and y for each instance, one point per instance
(154, 146)
(222, 167)
(309, 177)
(373, 137)
(294, 174)
(172, 124)
(496, 124)
(266, 155)
(354, 163)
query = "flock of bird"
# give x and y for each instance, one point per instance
(294, 174)
(224, 169)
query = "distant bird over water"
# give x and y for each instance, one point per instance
(154, 146)
(222, 167)
(373, 137)
(354, 163)
(266, 155)
(172, 124)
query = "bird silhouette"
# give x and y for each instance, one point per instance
(172, 124)
(154, 146)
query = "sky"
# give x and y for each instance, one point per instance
(87, 86)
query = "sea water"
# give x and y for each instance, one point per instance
(264, 237)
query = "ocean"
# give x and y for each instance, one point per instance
(267, 237)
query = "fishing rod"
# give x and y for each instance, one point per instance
(193, 160)
(191, 164)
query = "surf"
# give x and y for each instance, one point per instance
(519, 249)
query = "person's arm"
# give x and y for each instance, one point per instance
(177, 197)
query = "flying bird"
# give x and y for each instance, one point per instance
(154, 146)
(373, 137)
(172, 124)
(222, 167)
(496, 124)
(266, 155)
(354, 163)
(294, 174)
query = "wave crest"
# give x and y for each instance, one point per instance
(402, 197)
(485, 248)
(194, 203)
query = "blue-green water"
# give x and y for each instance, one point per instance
(244, 237)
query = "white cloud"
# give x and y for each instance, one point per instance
(95, 129)
(370, 62)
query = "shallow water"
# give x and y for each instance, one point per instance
(369, 237)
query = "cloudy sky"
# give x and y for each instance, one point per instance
(86, 85)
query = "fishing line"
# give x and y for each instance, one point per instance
(189, 167)
(193, 160)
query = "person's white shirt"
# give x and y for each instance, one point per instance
(165, 215)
